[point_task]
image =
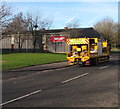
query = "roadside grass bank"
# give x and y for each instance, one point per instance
(17, 60)
(115, 51)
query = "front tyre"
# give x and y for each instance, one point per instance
(94, 61)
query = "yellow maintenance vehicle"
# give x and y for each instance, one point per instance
(87, 51)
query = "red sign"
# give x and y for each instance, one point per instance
(57, 39)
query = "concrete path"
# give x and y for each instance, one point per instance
(14, 73)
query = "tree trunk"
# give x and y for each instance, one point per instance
(34, 46)
(40, 44)
(19, 44)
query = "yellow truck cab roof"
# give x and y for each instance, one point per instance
(72, 41)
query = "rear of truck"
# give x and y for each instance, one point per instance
(86, 51)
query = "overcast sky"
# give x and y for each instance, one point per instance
(88, 12)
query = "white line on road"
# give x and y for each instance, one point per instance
(13, 100)
(104, 67)
(74, 78)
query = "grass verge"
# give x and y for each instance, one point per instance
(115, 51)
(17, 60)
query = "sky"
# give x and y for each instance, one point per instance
(88, 13)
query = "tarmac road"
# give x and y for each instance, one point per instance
(74, 86)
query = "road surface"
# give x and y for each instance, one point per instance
(74, 86)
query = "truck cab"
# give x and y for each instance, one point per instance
(86, 51)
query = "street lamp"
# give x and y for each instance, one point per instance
(35, 26)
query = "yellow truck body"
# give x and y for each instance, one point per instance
(87, 51)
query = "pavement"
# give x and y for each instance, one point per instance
(18, 72)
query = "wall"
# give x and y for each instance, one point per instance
(59, 47)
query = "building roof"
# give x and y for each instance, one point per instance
(88, 33)
(76, 32)
(83, 32)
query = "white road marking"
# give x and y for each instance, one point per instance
(13, 100)
(74, 78)
(104, 67)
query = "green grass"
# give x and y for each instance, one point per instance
(115, 49)
(17, 60)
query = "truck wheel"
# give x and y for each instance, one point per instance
(94, 61)
(83, 63)
(108, 58)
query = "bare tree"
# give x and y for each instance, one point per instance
(116, 34)
(18, 26)
(106, 27)
(72, 28)
(37, 26)
(5, 13)
(73, 24)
